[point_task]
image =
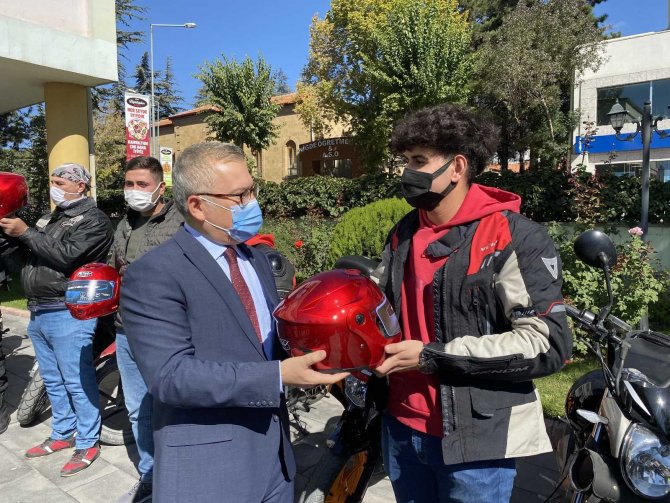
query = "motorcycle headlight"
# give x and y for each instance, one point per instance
(645, 462)
(355, 390)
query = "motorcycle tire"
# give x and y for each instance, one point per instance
(116, 429)
(34, 399)
(335, 479)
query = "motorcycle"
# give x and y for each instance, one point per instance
(353, 453)
(617, 448)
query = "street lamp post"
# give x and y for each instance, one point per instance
(154, 108)
(648, 125)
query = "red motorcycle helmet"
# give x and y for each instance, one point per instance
(93, 291)
(13, 193)
(342, 312)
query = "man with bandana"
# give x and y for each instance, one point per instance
(149, 221)
(477, 287)
(74, 234)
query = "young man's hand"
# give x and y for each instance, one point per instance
(13, 226)
(298, 371)
(401, 357)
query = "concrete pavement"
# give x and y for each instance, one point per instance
(38, 480)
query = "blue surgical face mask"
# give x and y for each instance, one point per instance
(247, 220)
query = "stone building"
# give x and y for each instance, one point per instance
(296, 152)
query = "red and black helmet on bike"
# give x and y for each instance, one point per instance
(93, 291)
(342, 312)
(13, 193)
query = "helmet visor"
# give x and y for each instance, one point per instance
(84, 292)
(387, 321)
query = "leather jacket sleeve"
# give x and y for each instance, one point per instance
(89, 238)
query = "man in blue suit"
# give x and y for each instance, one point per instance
(197, 313)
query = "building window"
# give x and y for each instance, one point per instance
(632, 98)
(291, 159)
(657, 169)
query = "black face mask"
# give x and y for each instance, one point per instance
(415, 188)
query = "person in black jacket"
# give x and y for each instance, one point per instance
(74, 234)
(149, 221)
(477, 288)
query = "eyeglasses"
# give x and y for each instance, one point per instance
(242, 197)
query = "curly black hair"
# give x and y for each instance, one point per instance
(449, 129)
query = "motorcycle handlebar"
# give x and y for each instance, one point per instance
(588, 318)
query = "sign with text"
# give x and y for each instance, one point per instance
(330, 148)
(166, 161)
(138, 132)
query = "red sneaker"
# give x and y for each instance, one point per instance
(49, 446)
(80, 460)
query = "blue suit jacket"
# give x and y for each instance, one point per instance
(220, 421)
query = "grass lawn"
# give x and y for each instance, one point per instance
(14, 297)
(554, 388)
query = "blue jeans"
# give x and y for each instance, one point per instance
(413, 461)
(139, 405)
(64, 350)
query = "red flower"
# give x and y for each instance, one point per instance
(299, 243)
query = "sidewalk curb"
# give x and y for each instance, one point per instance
(23, 313)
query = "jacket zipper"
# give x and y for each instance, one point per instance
(451, 421)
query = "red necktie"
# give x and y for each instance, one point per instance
(242, 289)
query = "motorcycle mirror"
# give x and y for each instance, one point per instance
(595, 248)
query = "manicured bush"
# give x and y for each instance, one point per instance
(363, 231)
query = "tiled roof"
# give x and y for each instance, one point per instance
(281, 99)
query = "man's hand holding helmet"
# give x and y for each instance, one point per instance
(298, 371)
(337, 321)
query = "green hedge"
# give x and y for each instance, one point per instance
(322, 196)
(363, 231)
(547, 196)
(305, 241)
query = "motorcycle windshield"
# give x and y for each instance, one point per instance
(646, 377)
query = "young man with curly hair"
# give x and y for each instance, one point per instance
(478, 290)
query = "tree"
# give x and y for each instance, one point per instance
(281, 83)
(110, 148)
(372, 60)
(26, 154)
(14, 129)
(142, 75)
(241, 94)
(168, 98)
(525, 70)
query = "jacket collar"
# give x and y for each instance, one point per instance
(210, 269)
(85, 205)
(133, 215)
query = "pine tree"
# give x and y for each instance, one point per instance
(142, 75)
(168, 97)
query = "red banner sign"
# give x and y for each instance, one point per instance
(138, 132)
